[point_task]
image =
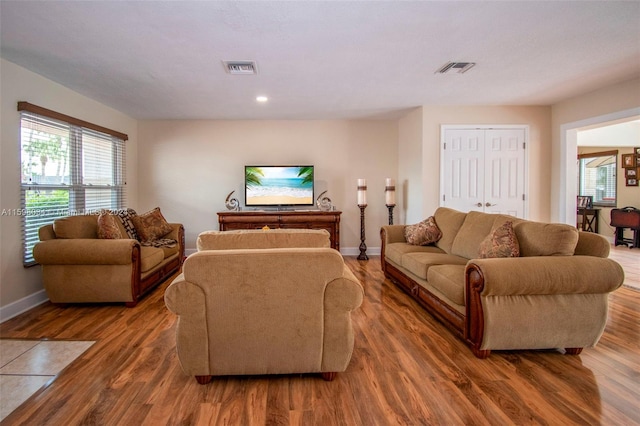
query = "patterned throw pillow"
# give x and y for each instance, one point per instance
(126, 217)
(502, 242)
(152, 225)
(107, 226)
(423, 233)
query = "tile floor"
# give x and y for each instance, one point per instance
(28, 365)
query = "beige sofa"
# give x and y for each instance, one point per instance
(554, 295)
(79, 267)
(264, 302)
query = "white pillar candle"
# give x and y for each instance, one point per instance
(390, 192)
(362, 192)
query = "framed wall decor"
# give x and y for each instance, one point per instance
(632, 181)
(636, 150)
(631, 173)
(585, 201)
(628, 160)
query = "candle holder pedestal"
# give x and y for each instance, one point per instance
(363, 246)
(390, 207)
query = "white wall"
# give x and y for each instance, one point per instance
(187, 167)
(427, 145)
(409, 184)
(21, 287)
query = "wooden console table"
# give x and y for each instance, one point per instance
(301, 219)
(588, 219)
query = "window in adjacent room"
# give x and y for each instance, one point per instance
(597, 177)
(68, 167)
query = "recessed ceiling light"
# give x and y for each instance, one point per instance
(262, 99)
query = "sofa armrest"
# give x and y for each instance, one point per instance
(79, 251)
(175, 233)
(187, 300)
(392, 234)
(539, 275)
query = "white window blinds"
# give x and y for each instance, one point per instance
(67, 169)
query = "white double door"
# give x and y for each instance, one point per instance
(484, 169)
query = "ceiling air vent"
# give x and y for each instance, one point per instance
(459, 67)
(241, 67)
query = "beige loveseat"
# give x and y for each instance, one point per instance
(554, 295)
(79, 267)
(264, 302)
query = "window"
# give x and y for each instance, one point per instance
(68, 167)
(597, 177)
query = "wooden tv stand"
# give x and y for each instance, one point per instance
(305, 219)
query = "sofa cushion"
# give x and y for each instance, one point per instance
(546, 239)
(476, 227)
(449, 221)
(151, 225)
(502, 242)
(107, 226)
(83, 226)
(395, 251)
(449, 280)
(169, 247)
(423, 233)
(150, 257)
(420, 263)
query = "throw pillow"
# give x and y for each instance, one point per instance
(151, 225)
(502, 242)
(107, 226)
(126, 217)
(423, 233)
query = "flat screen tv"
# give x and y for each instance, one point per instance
(274, 186)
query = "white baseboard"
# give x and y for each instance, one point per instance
(19, 306)
(355, 251)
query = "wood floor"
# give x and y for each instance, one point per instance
(407, 369)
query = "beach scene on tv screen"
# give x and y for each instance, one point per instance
(279, 186)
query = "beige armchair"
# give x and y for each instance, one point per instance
(252, 311)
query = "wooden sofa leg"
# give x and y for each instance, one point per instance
(573, 351)
(481, 353)
(329, 376)
(131, 304)
(203, 380)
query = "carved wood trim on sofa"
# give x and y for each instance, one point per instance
(139, 287)
(436, 307)
(474, 320)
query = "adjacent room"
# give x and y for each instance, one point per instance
(328, 212)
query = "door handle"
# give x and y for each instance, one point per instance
(489, 204)
(479, 205)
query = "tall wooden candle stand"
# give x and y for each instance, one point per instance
(363, 246)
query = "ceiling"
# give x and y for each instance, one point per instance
(321, 59)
